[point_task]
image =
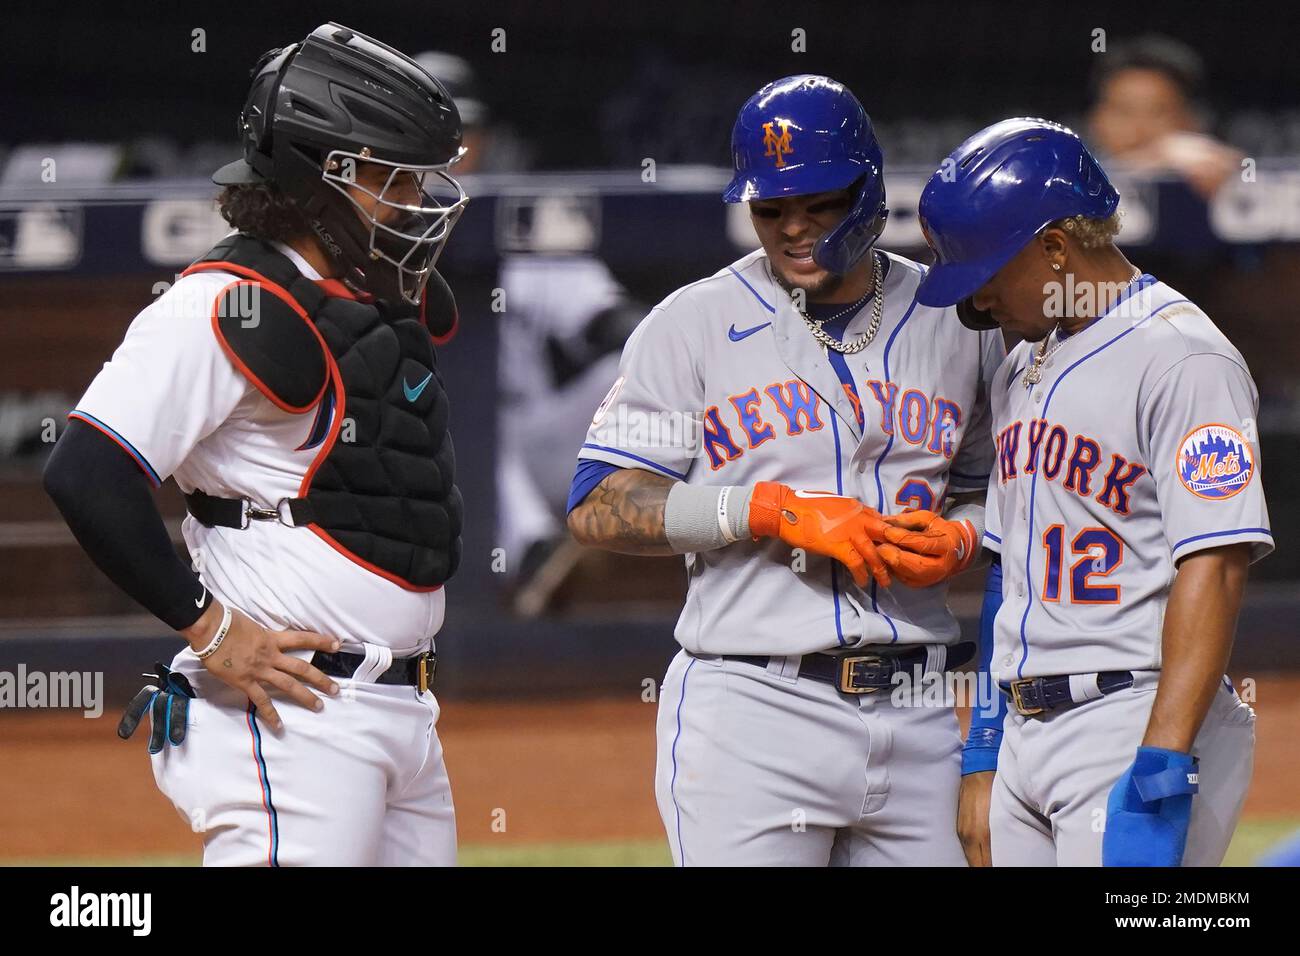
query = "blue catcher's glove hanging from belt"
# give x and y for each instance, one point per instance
(168, 706)
(1149, 810)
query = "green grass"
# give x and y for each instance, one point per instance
(1253, 838)
(631, 853)
(638, 853)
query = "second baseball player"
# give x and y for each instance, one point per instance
(763, 421)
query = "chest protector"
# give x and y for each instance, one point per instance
(380, 489)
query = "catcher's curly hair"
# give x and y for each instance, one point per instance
(1091, 233)
(262, 210)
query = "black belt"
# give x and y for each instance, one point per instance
(212, 512)
(406, 672)
(861, 672)
(1031, 696)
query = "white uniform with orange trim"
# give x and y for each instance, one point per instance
(1135, 449)
(363, 781)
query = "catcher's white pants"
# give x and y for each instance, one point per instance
(360, 783)
(759, 768)
(1055, 775)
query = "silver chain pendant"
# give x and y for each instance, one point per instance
(1034, 372)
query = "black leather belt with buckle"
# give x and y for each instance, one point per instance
(408, 672)
(857, 672)
(1034, 696)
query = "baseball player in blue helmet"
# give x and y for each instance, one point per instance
(776, 423)
(1125, 507)
(1008, 182)
(803, 136)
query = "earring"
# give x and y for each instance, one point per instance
(1056, 266)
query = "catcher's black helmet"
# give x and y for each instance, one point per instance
(319, 108)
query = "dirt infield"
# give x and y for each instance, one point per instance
(553, 772)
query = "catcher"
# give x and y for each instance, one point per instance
(288, 382)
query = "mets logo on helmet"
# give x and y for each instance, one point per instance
(777, 145)
(1215, 462)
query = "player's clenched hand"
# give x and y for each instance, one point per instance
(922, 548)
(973, 802)
(826, 524)
(253, 659)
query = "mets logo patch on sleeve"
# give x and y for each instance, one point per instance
(1215, 462)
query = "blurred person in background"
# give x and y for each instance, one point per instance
(561, 331)
(566, 320)
(1145, 113)
(490, 145)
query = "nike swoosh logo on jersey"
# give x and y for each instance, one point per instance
(737, 336)
(198, 603)
(413, 393)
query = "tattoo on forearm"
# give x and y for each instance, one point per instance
(625, 512)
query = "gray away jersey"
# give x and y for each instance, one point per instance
(723, 384)
(1137, 448)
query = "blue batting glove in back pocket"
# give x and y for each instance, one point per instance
(1149, 809)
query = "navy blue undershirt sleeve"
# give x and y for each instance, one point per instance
(108, 503)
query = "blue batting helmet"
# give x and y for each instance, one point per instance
(995, 192)
(808, 134)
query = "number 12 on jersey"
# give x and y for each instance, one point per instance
(1101, 551)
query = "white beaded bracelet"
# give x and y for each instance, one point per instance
(222, 630)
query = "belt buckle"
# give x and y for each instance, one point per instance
(280, 513)
(426, 666)
(250, 512)
(847, 665)
(1017, 697)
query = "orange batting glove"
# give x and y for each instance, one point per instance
(826, 524)
(923, 548)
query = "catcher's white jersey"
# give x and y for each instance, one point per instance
(173, 400)
(723, 384)
(1136, 448)
(171, 397)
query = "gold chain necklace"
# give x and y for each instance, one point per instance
(1034, 371)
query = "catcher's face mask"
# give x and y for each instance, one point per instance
(407, 213)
